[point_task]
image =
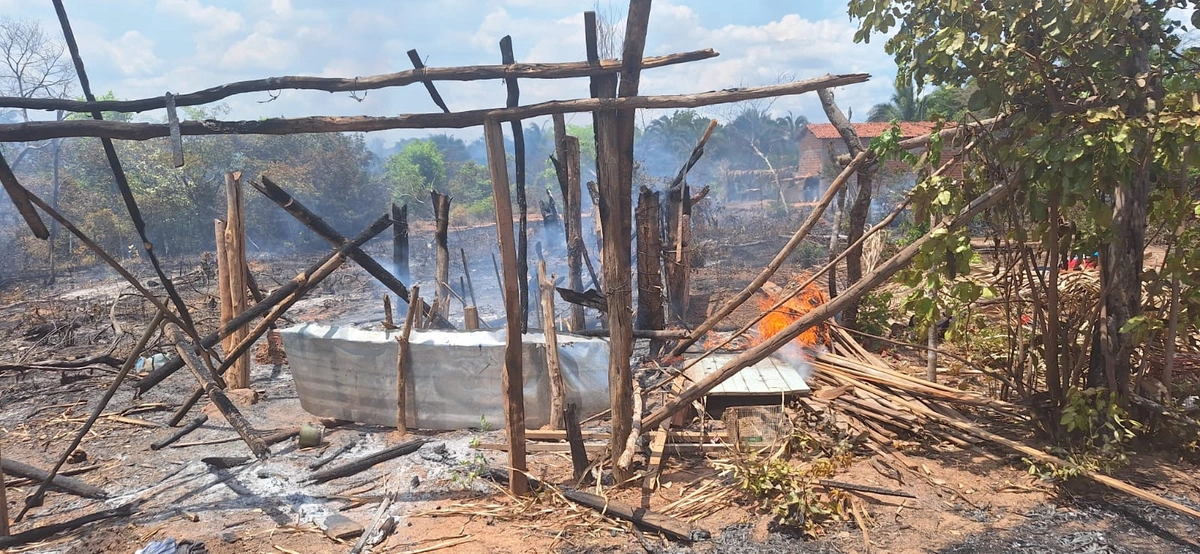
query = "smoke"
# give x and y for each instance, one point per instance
(795, 356)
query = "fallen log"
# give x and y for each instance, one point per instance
(46, 531)
(65, 484)
(367, 462)
(641, 517)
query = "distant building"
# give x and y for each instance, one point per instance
(820, 143)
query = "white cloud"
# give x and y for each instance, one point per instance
(281, 7)
(258, 51)
(132, 54)
(212, 20)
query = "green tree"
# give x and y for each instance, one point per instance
(416, 169)
(906, 105)
(1091, 130)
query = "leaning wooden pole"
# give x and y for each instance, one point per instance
(275, 305)
(327, 232)
(818, 315)
(814, 217)
(558, 388)
(236, 269)
(441, 213)
(235, 418)
(35, 499)
(512, 378)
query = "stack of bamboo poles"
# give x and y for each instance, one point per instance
(883, 403)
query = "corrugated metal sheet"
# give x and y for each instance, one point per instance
(453, 380)
(771, 376)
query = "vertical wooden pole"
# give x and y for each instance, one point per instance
(235, 253)
(614, 151)
(558, 388)
(388, 321)
(579, 459)
(400, 242)
(649, 258)
(568, 157)
(678, 264)
(402, 364)
(512, 379)
(518, 133)
(467, 273)
(441, 211)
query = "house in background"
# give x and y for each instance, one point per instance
(820, 143)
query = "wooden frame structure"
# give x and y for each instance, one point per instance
(613, 102)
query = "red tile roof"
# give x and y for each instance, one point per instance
(908, 129)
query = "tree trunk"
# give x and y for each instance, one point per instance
(441, 212)
(861, 207)
(678, 255)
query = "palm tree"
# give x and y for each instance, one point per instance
(906, 105)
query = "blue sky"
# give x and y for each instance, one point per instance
(139, 48)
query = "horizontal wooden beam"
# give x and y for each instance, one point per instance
(337, 84)
(44, 130)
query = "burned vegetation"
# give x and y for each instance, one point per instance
(662, 354)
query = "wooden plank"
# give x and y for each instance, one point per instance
(512, 378)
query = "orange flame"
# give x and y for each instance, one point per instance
(791, 310)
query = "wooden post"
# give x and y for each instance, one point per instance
(579, 459)
(470, 318)
(568, 156)
(235, 255)
(649, 257)
(441, 212)
(402, 366)
(512, 379)
(518, 133)
(388, 322)
(679, 261)
(558, 389)
(614, 151)
(400, 242)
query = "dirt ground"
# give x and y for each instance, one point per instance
(975, 500)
